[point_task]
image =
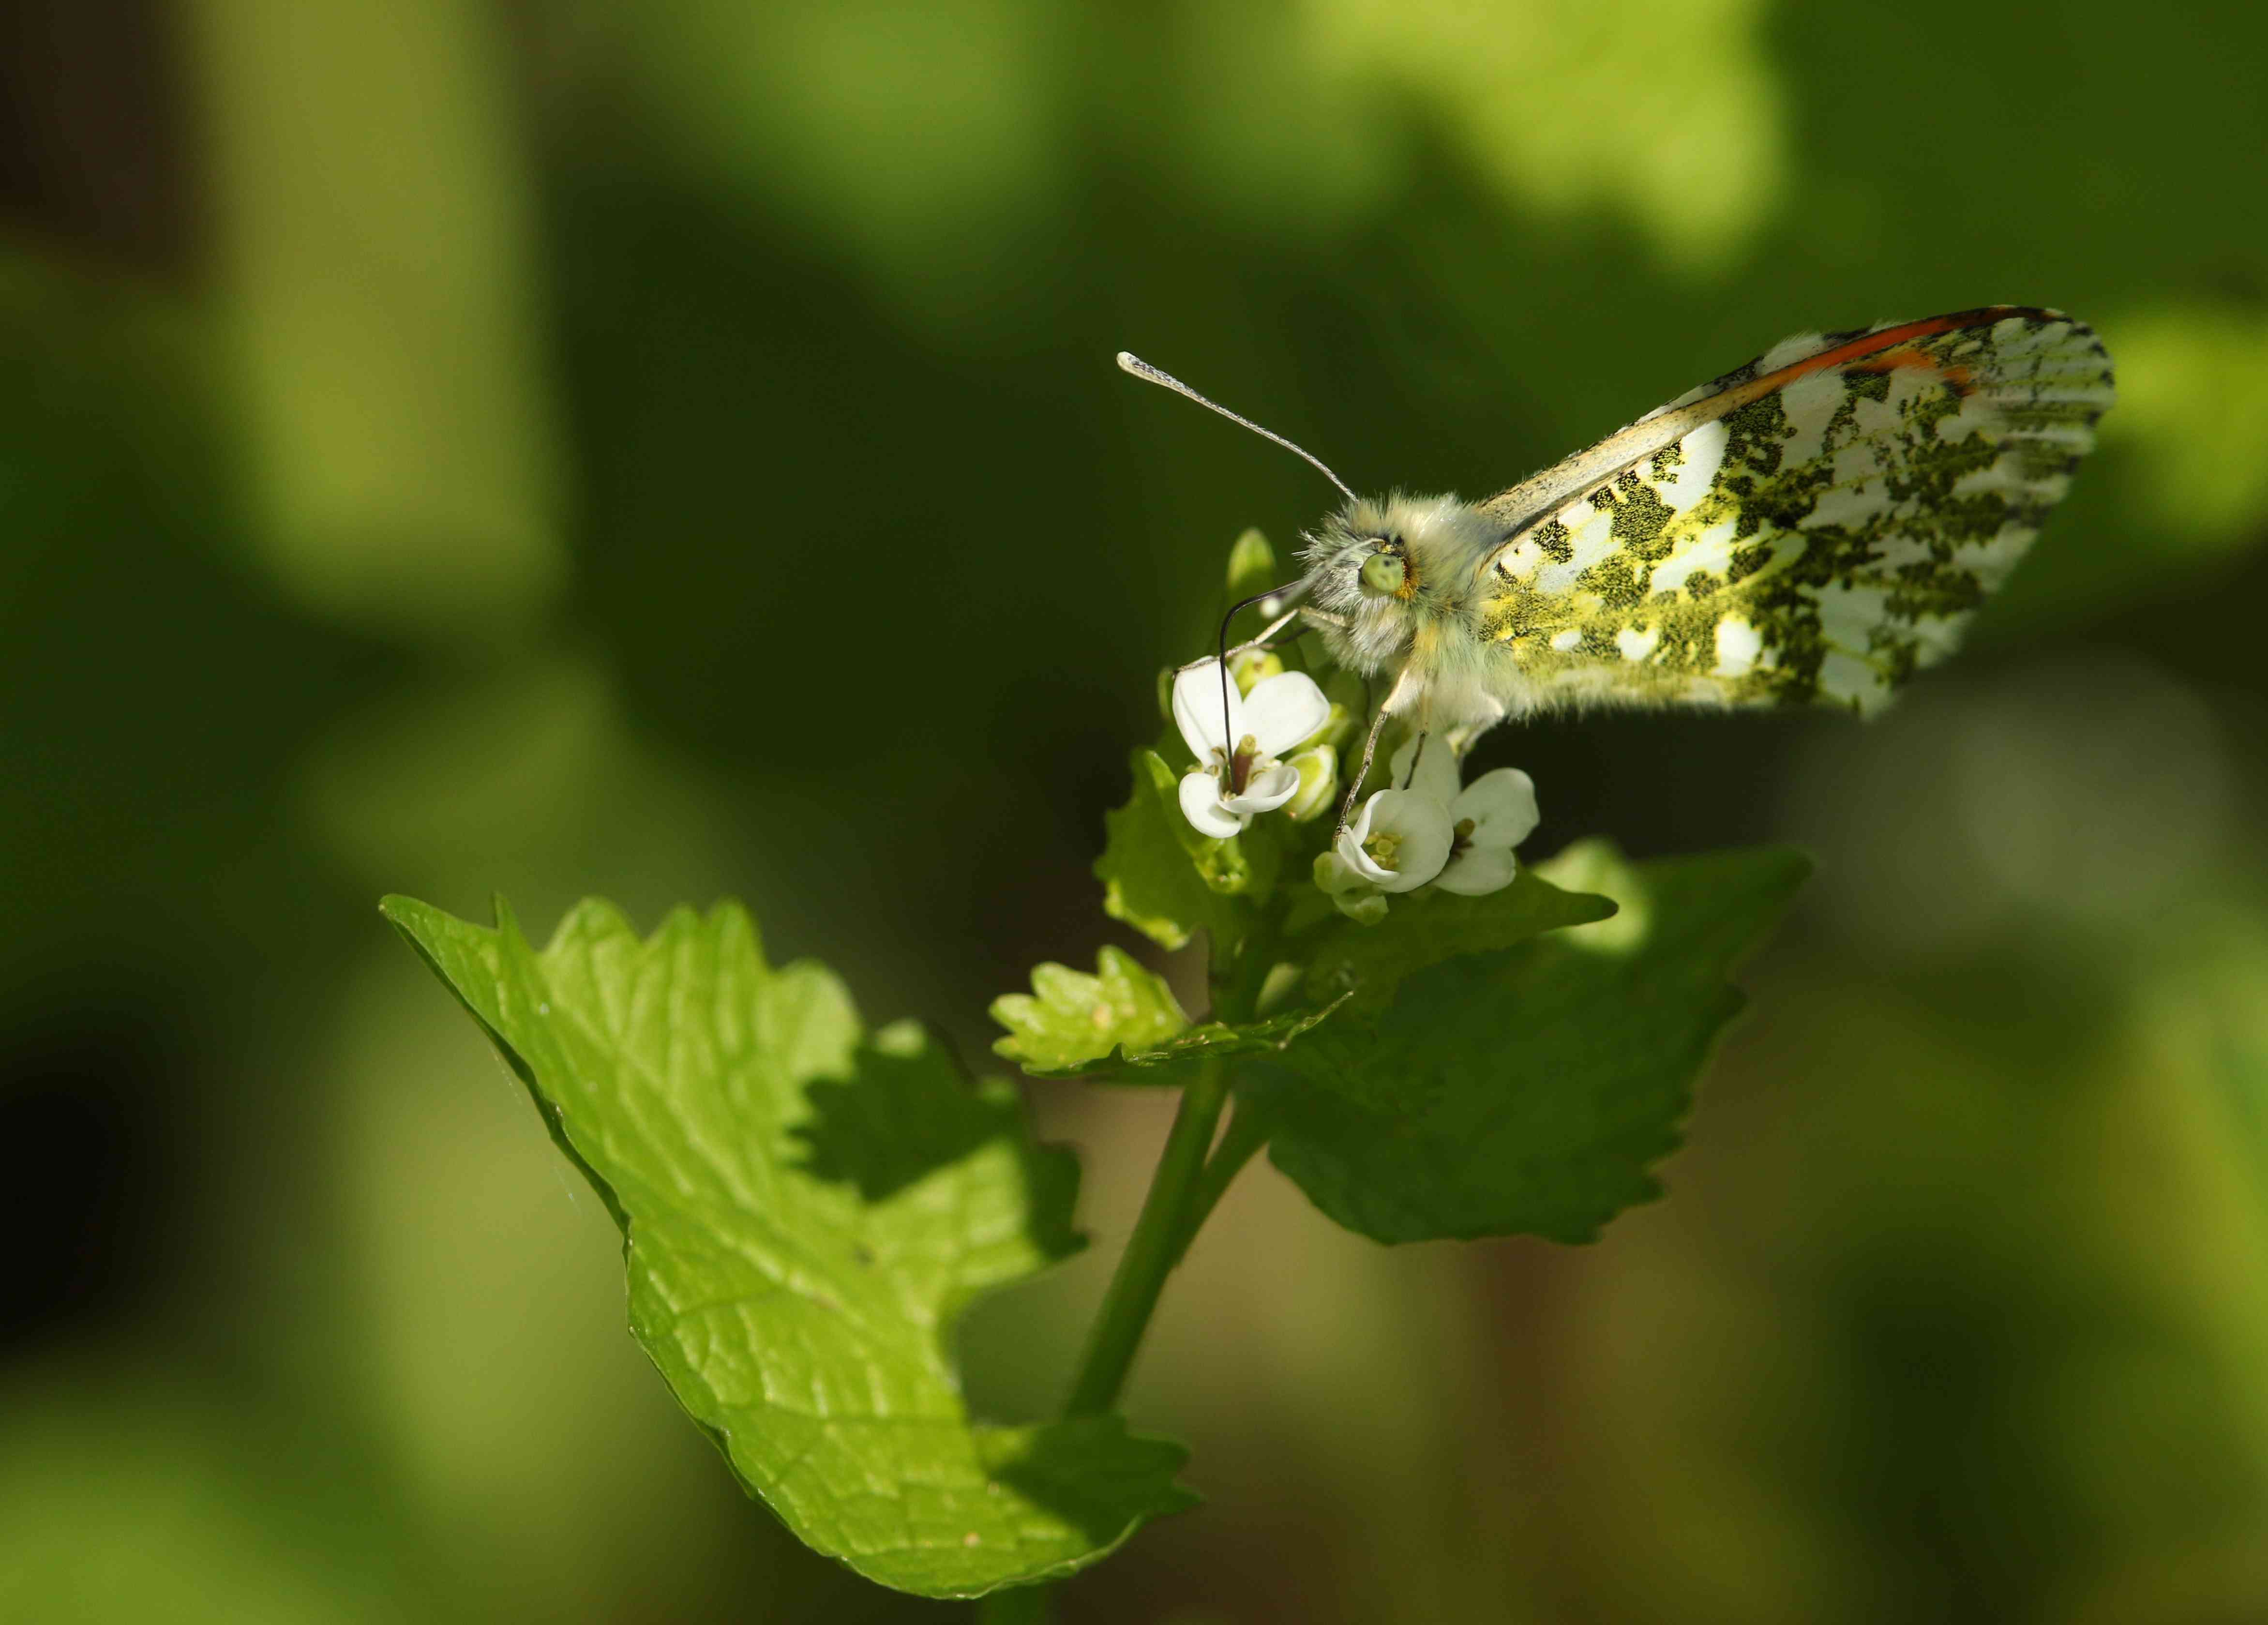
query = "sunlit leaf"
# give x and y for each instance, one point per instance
(1070, 1019)
(1123, 1022)
(807, 1207)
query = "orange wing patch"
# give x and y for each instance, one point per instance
(1810, 528)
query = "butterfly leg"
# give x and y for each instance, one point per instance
(1370, 747)
(1416, 757)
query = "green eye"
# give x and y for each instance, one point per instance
(1384, 573)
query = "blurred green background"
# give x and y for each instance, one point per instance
(670, 450)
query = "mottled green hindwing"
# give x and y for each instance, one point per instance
(1823, 522)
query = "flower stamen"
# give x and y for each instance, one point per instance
(1240, 769)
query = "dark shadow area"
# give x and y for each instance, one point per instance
(902, 1117)
(90, 1184)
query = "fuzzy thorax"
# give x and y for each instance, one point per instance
(1430, 616)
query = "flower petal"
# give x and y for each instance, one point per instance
(1359, 832)
(1265, 790)
(1200, 805)
(1423, 827)
(1420, 828)
(1502, 806)
(1437, 769)
(1196, 710)
(1478, 870)
(1347, 847)
(1281, 712)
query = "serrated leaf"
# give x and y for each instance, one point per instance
(1228, 1038)
(1165, 880)
(1527, 1089)
(1071, 1020)
(1123, 1019)
(805, 1208)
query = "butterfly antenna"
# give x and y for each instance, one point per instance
(1235, 610)
(1149, 374)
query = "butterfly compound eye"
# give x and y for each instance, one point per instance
(1384, 573)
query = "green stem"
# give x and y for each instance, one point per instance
(1025, 1605)
(1180, 1196)
(1249, 1129)
(1152, 1250)
(1236, 987)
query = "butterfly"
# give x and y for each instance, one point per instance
(1809, 529)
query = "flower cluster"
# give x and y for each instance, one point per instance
(1274, 749)
(1435, 830)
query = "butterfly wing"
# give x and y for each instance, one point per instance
(1811, 527)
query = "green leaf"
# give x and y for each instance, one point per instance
(1228, 1038)
(805, 1208)
(1124, 1020)
(1167, 881)
(1070, 1019)
(1371, 962)
(1527, 1089)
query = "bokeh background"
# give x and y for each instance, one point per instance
(670, 449)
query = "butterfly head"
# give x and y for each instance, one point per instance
(1387, 566)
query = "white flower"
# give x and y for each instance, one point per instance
(1352, 895)
(1397, 842)
(1488, 818)
(1237, 774)
(1437, 778)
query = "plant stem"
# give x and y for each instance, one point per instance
(1176, 1204)
(1157, 1244)
(1249, 1129)
(1025, 1605)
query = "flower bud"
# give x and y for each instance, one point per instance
(1251, 565)
(1252, 667)
(1283, 981)
(1350, 893)
(1363, 909)
(1333, 876)
(1319, 782)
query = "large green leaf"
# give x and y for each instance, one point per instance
(1527, 1089)
(804, 1209)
